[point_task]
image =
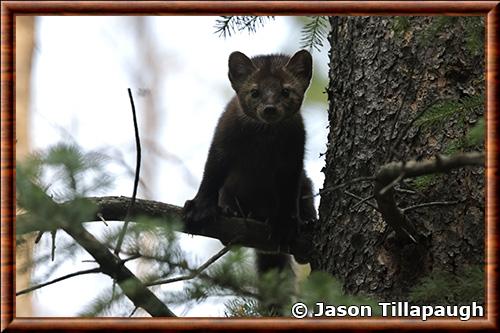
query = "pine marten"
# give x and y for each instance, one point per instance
(255, 162)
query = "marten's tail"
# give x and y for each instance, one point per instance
(269, 261)
(273, 300)
(274, 303)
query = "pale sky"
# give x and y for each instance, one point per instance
(82, 67)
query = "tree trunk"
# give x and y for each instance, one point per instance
(384, 71)
(25, 42)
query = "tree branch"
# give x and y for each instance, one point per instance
(344, 184)
(234, 230)
(361, 200)
(136, 178)
(41, 285)
(388, 173)
(111, 265)
(195, 272)
(428, 204)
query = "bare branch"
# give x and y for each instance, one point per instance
(41, 285)
(390, 172)
(359, 203)
(439, 164)
(133, 312)
(53, 245)
(344, 184)
(361, 200)
(136, 179)
(244, 231)
(194, 273)
(111, 265)
(404, 190)
(428, 204)
(103, 220)
(391, 184)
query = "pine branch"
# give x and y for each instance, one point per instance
(111, 265)
(227, 25)
(314, 32)
(195, 272)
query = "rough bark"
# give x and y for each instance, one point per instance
(380, 80)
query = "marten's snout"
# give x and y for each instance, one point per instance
(270, 114)
(270, 111)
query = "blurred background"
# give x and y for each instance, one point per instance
(72, 75)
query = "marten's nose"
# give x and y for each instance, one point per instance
(269, 110)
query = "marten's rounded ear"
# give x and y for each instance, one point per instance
(300, 65)
(240, 67)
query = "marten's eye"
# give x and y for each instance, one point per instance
(285, 92)
(254, 93)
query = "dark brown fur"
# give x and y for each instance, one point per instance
(255, 163)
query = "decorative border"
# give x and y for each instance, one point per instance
(9, 9)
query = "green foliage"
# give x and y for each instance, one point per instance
(314, 32)
(474, 34)
(322, 287)
(476, 134)
(438, 25)
(227, 25)
(231, 278)
(62, 174)
(472, 27)
(318, 287)
(445, 288)
(458, 113)
(424, 182)
(442, 112)
(474, 138)
(50, 192)
(242, 307)
(401, 24)
(108, 302)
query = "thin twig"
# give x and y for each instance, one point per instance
(336, 187)
(99, 215)
(136, 180)
(133, 311)
(391, 184)
(390, 152)
(361, 199)
(38, 286)
(427, 204)
(359, 203)
(38, 237)
(110, 265)
(405, 130)
(404, 190)
(53, 246)
(390, 173)
(133, 257)
(195, 273)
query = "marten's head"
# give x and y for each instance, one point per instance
(270, 88)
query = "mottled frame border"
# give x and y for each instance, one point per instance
(10, 9)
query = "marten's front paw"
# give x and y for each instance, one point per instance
(197, 211)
